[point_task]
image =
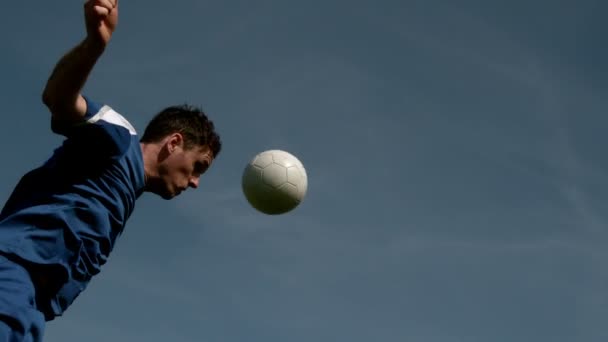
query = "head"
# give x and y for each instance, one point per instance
(179, 145)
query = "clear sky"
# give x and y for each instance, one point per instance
(455, 151)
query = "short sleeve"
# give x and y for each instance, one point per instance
(102, 132)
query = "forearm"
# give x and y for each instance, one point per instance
(62, 92)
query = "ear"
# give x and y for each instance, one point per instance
(175, 141)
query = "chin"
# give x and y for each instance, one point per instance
(165, 194)
(170, 195)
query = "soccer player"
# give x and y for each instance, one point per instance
(61, 221)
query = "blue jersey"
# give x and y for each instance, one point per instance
(70, 210)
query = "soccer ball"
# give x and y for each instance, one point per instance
(274, 182)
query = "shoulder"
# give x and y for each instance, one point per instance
(96, 114)
(102, 131)
(104, 114)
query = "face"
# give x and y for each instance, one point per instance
(182, 168)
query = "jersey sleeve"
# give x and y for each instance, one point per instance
(102, 132)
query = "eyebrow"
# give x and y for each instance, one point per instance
(200, 166)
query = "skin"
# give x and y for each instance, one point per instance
(170, 168)
(62, 94)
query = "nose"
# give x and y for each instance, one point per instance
(193, 182)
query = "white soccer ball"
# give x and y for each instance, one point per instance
(274, 182)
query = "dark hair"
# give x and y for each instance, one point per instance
(190, 121)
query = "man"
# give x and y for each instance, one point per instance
(60, 224)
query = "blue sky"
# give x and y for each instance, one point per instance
(455, 153)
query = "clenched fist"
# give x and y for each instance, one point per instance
(101, 17)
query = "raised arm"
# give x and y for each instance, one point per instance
(62, 94)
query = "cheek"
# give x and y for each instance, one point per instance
(170, 176)
(177, 170)
(184, 168)
(163, 170)
(181, 173)
(172, 167)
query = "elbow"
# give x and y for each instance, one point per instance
(64, 109)
(52, 101)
